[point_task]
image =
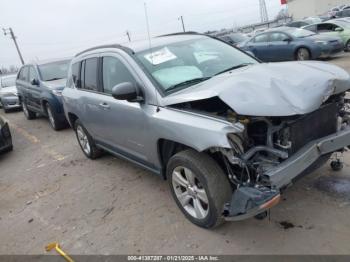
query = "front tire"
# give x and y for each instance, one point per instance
(54, 122)
(27, 113)
(86, 142)
(199, 186)
(303, 54)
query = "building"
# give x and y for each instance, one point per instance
(300, 9)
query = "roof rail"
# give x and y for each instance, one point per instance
(182, 33)
(126, 49)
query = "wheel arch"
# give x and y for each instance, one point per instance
(306, 47)
(72, 118)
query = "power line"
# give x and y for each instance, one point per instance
(9, 31)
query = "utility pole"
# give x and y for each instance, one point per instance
(128, 35)
(263, 11)
(9, 31)
(182, 21)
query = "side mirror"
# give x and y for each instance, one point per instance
(338, 29)
(34, 82)
(288, 40)
(126, 91)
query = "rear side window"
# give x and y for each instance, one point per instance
(76, 74)
(90, 74)
(114, 73)
(23, 75)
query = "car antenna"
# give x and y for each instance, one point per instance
(150, 48)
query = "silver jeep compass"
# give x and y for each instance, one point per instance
(229, 133)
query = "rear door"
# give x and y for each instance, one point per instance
(22, 82)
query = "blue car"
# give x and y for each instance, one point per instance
(40, 87)
(288, 43)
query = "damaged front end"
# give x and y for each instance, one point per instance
(273, 152)
(291, 126)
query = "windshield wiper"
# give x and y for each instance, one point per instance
(188, 82)
(234, 67)
(53, 79)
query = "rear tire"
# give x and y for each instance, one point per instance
(27, 113)
(303, 54)
(199, 186)
(86, 142)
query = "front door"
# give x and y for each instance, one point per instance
(259, 46)
(280, 47)
(34, 90)
(121, 126)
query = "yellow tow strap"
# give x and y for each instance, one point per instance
(56, 246)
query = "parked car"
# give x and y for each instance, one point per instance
(234, 38)
(228, 133)
(8, 93)
(288, 43)
(5, 137)
(343, 13)
(40, 88)
(333, 12)
(297, 24)
(334, 27)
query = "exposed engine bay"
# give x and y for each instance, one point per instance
(267, 141)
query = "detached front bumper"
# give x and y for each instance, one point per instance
(250, 201)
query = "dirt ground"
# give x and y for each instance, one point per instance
(51, 192)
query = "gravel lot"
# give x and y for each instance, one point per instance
(51, 192)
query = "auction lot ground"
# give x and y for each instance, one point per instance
(50, 192)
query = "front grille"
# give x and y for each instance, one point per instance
(317, 124)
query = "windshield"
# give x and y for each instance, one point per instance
(54, 71)
(299, 33)
(8, 81)
(186, 63)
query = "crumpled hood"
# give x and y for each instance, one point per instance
(273, 89)
(9, 89)
(56, 84)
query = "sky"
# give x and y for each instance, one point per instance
(48, 29)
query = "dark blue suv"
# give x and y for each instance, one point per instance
(40, 87)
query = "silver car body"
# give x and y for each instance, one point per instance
(8, 95)
(135, 130)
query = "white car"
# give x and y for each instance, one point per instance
(8, 93)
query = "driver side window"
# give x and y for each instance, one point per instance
(32, 74)
(325, 27)
(278, 37)
(261, 38)
(114, 73)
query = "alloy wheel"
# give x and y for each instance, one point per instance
(51, 118)
(25, 109)
(83, 140)
(303, 54)
(190, 192)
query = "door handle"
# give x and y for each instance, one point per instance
(104, 105)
